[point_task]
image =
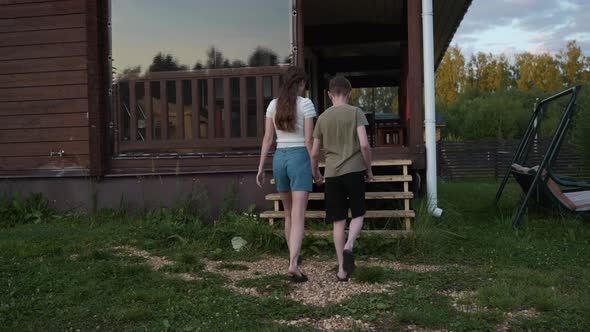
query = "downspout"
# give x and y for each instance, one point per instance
(429, 108)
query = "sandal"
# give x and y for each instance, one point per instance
(293, 277)
(345, 279)
(348, 263)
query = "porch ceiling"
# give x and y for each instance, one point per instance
(366, 36)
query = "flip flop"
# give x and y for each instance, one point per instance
(348, 265)
(345, 279)
(292, 277)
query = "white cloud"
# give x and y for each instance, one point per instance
(525, 25)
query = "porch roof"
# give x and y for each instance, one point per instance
(364, 39)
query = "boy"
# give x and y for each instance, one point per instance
(340, 130)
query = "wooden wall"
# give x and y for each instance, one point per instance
(48, 86)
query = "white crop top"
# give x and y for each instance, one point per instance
(305, 110)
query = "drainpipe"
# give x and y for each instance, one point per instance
(429, 108)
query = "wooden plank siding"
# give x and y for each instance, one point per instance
(48, 53)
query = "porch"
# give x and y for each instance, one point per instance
(212, 120)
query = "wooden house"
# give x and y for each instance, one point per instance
(70, 131)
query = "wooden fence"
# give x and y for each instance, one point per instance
(206, 110)
(492, 158)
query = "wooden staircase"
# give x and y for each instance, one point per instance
(405, 195)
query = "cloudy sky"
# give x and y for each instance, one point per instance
(512, 26)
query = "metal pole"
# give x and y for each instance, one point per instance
(429, 105)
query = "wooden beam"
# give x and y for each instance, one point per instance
(179, 111)
(373, 81)
(196, 110)
(322, 214)
(259, 107)
(227, 108)
(360, 63)
(132, 112)
(353, 33)
(164, 110)
(415, 74)
(243, 108)
(216, 143)
(149, 114)
(368, 195)
(211, 108)
(275, 86)
(300, 61)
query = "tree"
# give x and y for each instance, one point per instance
(215, 58)
(238, 64)
(488, 73)
(129, 73)
(537, 71)
(572, 63)
(382, 99)
(166, 62)
(263, 56)
(450, 76)
(198, 66)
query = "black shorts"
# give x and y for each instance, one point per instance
(345, 192)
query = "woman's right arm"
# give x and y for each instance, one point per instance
(267, 140)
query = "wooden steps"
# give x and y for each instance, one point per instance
(407, 214)
(368, 195)
(382, 179)
(365, 233)
(390, 162)
(380, 214)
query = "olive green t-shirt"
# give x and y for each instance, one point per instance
(336, 129)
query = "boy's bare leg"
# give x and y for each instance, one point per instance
(354, 230)
(339, 241)
(287, 204)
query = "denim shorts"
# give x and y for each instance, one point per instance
(292, 169)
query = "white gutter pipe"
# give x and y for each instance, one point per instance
(429, 108)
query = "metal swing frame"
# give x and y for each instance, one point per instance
(521, 155)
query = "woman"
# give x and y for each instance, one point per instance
(291, 117)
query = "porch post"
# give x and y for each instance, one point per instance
(297, 44)
(414, 96)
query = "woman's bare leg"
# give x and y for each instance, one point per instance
(299, 204)
(287, 203)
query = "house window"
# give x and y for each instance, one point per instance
(155, 35)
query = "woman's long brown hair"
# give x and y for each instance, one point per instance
(286, 113)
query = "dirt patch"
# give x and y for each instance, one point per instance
(334, 323)
(415, 328)
(264, 267)
(464, 301)
(511, 317)
(321, 289)
(419, 268)
(154, 262)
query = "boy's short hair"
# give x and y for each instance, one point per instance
(340, 86)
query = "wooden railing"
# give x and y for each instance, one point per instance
(201, 111)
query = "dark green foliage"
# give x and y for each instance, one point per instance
(369, 274)
(18, 210)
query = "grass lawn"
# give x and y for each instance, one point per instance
(166, 270)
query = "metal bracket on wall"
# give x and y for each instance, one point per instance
(56, 153)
